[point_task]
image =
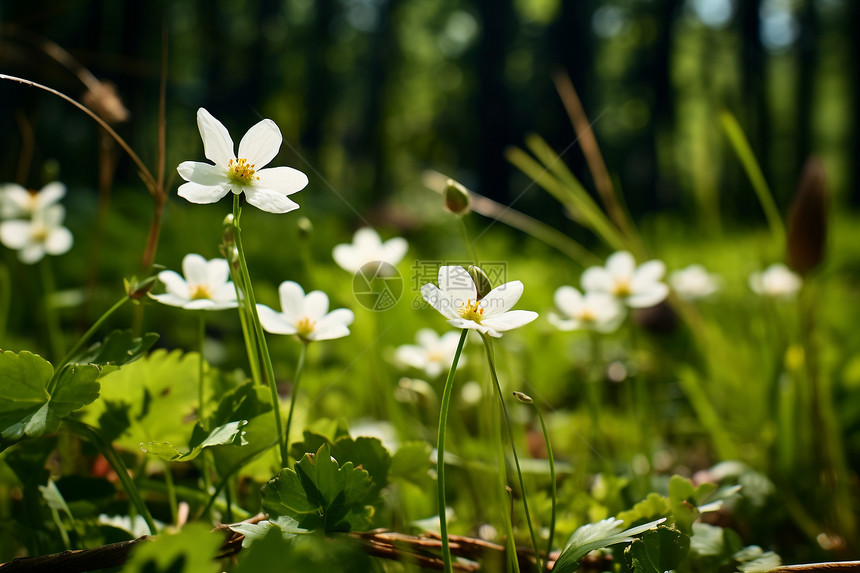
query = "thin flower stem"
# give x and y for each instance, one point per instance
(552, 481)
(89, 333)
(440, 454)
(201, 400)
(300, 366)
(507, 502)
(52, 320)
(171, 494)
(119, 467)
(593, 391)
(491, 362)
(251, 304)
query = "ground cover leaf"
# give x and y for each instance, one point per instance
(30, 404)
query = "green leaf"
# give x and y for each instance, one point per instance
(411, 462)
(366, 453)
(656, 551)
(159, 392)
(320, 494)
(682, 502)
(287, 526)
(595, 536)
(52, 496)
(118, 348)
(27, 407)
(655, 505)
(230, 434)
(753, 559)
(192, 550)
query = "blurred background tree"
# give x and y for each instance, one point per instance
(370, 93)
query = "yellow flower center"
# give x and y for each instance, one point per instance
(39, 233)
(471, 310)
(587, 315)
(199, 292)
(305, 327)
(240, 171)
(622, 288)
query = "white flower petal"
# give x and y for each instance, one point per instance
(345, 257)
(621, 264)
(59, 241)
(501, 299)
(650, 271)
(15, 234)
(411, 355)
(209, 304)
(225, 293)
(261, 143)
(217, 143)
(367, 240)
(393, 250)
(563, 324)
(510, 320)
(655, 294)
(170, 299)
(275, 322)
(427, 338)
(284, 180)
(438, 300)
(203, 194)
(195, 269)
(334, 325)
(217, 272)
(204, 174)
(51, 216)
(316, 305)
(50, 194)
(14, 200)
(568, 300)
(269, 201)
(457, 285)
(330, 332)
(32, 253)
(596, 279)
(292, 297)
(174, 284)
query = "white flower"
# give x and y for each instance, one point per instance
(43, 234)
(637, 287)
(694, 282)
(775, 281)
(305, 315)
(456, 298)
(15, 201)
(266, 189)
(206, 285)
(594, 311)
(433, 354)
(367, 247)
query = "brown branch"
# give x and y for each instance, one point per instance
(112, 555)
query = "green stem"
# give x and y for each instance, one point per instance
(247, 333)
(491, 362)
(296, 379)
(251, 305)
(118, 467)
(201, 399)
(171, 494)
(440, 454)
(5, 298)
(552, 481)
(52, 320)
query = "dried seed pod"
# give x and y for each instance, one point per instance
(807, 219)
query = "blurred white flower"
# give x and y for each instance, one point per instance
(433, 354)
(694, 282)
(595, 310)
(205, 286)
(266, 189)
(43, 234)
(776, 281)
(637, 287)
(15, 201)
(456, 298)
(382, 430)
(367, 247)
(305, 315)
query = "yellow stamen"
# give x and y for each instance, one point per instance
(305, 327)
(240, 171)
(622, 288)
(199, 292)
(471, 311)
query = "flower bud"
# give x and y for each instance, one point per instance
(481, 280)
(305, 227)
(457, 199)
(807, 219)
(229, 230)
(524, 398)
